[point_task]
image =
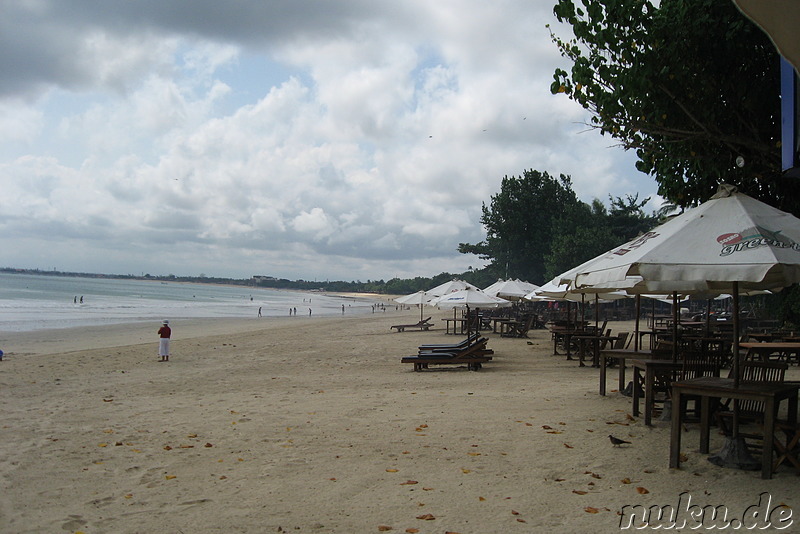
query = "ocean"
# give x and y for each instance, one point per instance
(34, 302)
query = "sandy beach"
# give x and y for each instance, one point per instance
(313, 425)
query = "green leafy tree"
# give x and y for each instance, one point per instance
(689, 85)
(520, 222)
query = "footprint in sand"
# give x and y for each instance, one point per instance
(74, 522)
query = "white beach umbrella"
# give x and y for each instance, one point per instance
(470, 297)
(510, 289)
(450, 287)
(420, 298)
(473, 297)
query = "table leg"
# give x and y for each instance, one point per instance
(635, 394)
(705, 423)
(769, 437)
(603, 377)
(649, 397)
(621, 363)
(675, 432)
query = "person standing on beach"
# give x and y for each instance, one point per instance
(259, 311)
(164, 334)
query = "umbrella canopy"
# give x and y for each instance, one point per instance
(730, 238)
(449, 287)
(474, 298)
(420, 298)
(553, 290)
(510, 289)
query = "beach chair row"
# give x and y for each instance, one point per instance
(472, 352)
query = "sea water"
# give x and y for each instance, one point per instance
(32, 302)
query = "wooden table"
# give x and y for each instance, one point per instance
(763, 350)
(620, 355)
(651, 368)
(593, 341)
(501, 320)
(708, 388)
(456, 322)
(508, 326)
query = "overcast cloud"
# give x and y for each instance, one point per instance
(342, 140)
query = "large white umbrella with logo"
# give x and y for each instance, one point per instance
(732, 243)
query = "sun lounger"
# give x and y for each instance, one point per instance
(422, 325)
(474, 355)
(451, 346)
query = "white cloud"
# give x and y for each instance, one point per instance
(369, 159)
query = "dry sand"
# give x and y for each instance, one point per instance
(313, 425)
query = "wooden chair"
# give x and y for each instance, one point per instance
(750, 411)
(695, 364)
(522, 329)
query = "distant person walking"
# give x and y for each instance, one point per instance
(259, 311)
(164, 334)
(342, 309)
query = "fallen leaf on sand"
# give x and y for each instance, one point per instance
(560, 479)
(554, 432)
(391, 470)
(208, 445)
(683, 457)
(184, 446)
(629, 417)
(412, 530)
(514, 512)
(129, 495)
(192, 436)
(547, 427)
(465, 471)
(427, 489)
(520, 520)
(567, 445)
(102, 444)
(481, 499)
(167, 448)
(473, 454)
(426, 517)
(591, 510)
(579, 492)
(170, 477)
(626, 480)
(108, 431)
(642, 491)
(409, 483)
(384, 528)
(108, 400)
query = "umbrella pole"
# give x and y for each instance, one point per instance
(636, 338)
(674, 326)
(734, 452)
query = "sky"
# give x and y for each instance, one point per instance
(314, 140)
